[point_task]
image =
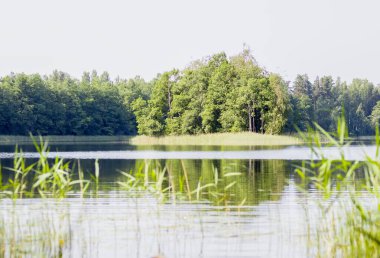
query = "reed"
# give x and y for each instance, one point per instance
(157, 179)
(350, 225)
(232, 139)
(41, 178)
(42, 232)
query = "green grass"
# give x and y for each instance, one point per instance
(237, 139)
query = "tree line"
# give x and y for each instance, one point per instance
(324, 100)
(61, 105)
(214, 94)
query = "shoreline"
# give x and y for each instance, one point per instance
(226, 139)
(216, 139)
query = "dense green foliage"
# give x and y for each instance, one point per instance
(60, 105)
(324, 100)
(215, 94)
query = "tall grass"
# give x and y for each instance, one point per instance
(350, 225)
(168, 185)
(48, 233)
(41, 178)
(242, 139)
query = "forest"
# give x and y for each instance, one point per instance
(213, 94)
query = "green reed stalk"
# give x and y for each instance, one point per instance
(97, 171)
(186, 180)
(45, 178)
(354, 229)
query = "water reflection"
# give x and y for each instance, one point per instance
(253, 214)
(118, 226)
(112, 146)
(258, 180)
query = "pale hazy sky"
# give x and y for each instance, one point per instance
(128, 38)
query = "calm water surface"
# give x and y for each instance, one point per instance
(272, 222)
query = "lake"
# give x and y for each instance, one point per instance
(256, 212)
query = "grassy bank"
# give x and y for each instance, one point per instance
(242, 139)
(246, 138)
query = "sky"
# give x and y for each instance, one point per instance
(146, 37)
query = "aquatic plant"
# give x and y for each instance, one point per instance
(42, 178)
(350, 226)
(35, 229)
(167, 184)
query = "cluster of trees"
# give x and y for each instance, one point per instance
(324, 100)
(60, 105)
(215, 94)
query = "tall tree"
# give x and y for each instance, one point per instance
(323, 101)
(302, 92)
